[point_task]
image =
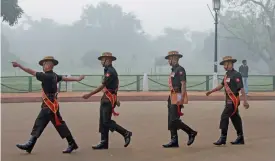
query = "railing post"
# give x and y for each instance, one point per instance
(59, 86)
(30, 83)
(273, 82)
(138, 83)
(207, 83)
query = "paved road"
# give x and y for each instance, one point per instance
(148, 122)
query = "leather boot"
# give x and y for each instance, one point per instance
(71, 145)
(192, 137)
(127, 138)
(104, 143)
(173, 143)
(29, 145)
(238, 141)
(221, 141)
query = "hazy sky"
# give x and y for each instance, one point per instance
(155, 14)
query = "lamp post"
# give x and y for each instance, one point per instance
(216, 8)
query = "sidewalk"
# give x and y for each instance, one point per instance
(127, 96)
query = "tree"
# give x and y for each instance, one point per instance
(159, 62)
(10, 11)
(6, 56)
(90, 59)
(108, 28)
(253, 23)
(173, 39)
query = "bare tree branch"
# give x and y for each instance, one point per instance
(267, 3)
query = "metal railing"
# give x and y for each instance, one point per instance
(18, 84)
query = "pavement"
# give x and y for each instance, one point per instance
(148, 122)
(128, 96)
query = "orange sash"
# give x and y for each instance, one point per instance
(174, 96)
(53, 106)
(112, 98)
(231, 95)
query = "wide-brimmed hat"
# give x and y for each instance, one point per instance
(228, 59)
(48, 58)
(107, 55)
(173, 53)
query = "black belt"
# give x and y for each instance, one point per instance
(52, 96)
(177, 90)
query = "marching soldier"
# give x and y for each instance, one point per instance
(50, 107)
(232, 83)
(108, 102)
(177, 97)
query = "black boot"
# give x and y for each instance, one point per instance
(126, 134)
(28, 146)
(221, 141)
(192, 137)
(173, 143)
(127, 138)
(71, 145)
(104, 143)
(238, 141)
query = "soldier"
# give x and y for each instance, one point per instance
(108, 102)
(50, 107)
(232, 83)
(176, 99)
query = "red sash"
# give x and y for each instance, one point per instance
(112, 98)
(231, 95)
(173, 96)
(53, 106)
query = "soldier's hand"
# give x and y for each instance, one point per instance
(245, 104)
(81, 78)
(118, 103)
(208, 93)
(15, 64)
(86, 96)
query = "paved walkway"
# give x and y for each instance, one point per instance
(148, 122)
(127, 96)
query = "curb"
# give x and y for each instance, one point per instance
(128, 98)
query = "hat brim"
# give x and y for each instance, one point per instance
(55, 62)
(178, 55)
(113, 58)
(232, 60)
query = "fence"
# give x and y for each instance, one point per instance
(17, 84)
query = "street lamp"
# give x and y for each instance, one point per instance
(216, 5)
(216, 8)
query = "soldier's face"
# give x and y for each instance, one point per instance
(170, 61)
(105, 61)
(173, 60)
(47, 65)
(228, 66)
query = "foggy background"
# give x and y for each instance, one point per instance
(139, 33)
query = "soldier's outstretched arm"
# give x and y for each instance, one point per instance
(98, 89)
(106, 80)
(27, 70)
(72, 79)
(218, 88)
